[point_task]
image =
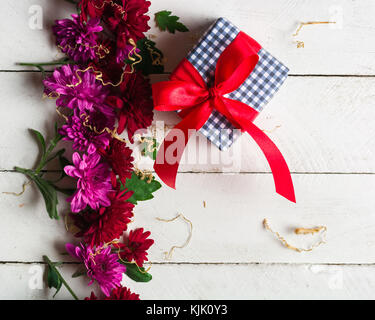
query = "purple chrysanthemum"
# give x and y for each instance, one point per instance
(102, 265)
(78, 39)
(94, 182)
(78, 90)
(82, 136)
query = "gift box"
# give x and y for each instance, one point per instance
(222, 85)
(257, 90)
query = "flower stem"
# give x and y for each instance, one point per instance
(45, 156)
(52, 266)
(41, 64)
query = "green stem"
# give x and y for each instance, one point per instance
(46, 155)
(41, 64)
(51, 265)
(22, 170)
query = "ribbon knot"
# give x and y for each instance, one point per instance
(187, 91)
(213, 93)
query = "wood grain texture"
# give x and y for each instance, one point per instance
(345, 48)
(322, 124)
(229, 229)
(319, 124)
(214, 282)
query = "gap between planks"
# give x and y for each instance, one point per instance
(289, 75)
(229, 172)
(166, 263)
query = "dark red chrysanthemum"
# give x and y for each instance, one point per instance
(127, 17)
(136, 247)
(135, 106)
(106, 224)
(121, 293)
(91, 8)
(120, 159)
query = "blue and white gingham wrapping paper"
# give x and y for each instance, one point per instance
(265, 80)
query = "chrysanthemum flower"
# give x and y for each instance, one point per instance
(92, 8)
(78, 39)
(122, 293)
(136, 247)
(135, 107)
(94, 182)
(127, 17)
(76, 89)
(82, 136)
(102, 265)
(106, 224)
(120, 158)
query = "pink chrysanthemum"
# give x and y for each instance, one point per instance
(78, 39)
(94, 182)
(102, 265)
(82, 136)
(76, 89)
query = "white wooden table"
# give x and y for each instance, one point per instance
(322, 120)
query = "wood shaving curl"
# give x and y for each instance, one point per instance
(304, 231)
(168, 254)
(301, 44)
(18, 194)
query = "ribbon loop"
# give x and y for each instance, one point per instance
(188, 92)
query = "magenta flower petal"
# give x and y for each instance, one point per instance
(80, 91)
(101, 265)
(93, 184)
(78, 40)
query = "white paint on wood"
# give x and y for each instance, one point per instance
(345, 48)
(228, 229)
(319, 124)
(214, 282)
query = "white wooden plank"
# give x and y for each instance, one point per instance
(319, 124)
(345, 48)
(211, 282)
(229, 229)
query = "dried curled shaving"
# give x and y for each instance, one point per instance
(100, 48)
(321, 229)
(144, 175)
(301, 44)
(113, 132)
(18, 194)
(99, 74)
(168, 254)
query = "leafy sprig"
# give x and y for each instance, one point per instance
(136, 273)
(55, 279)
(152, 58)
(47, 188)
(165, 21)
(143, 189)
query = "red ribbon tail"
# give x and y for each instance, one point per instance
(278, 165)
(169, 155)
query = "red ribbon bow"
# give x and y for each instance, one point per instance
(188, 92)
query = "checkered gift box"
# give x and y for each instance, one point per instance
(266, 78)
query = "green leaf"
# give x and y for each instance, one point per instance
(138, 274)
(41, 140)
(152, 58)
(141, 188)
(48, 192)
(53, 279)
(165, 21)
(149, 147)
